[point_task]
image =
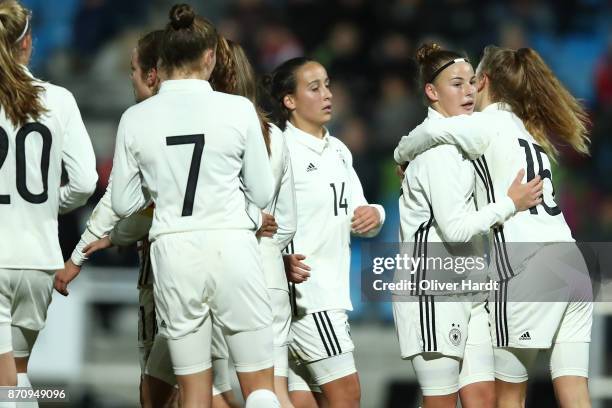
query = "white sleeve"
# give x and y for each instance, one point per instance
(253, 212)
(452, 207)
(79, 160)
(286, 209)
(131, 229)
(256, 170)
(357, 197)
(100, 223)
(127, 195)
(470, 132)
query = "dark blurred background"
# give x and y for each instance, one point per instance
(367, 48)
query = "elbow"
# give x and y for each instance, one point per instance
(456, 235)
(122, 209)
(398, 156)
(86, 186)
(83, 188)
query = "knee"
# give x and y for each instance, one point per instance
(8, 379)
(349, 398)
(487, 398)
(509, 401)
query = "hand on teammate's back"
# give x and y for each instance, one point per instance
(526, 195)
(268, 226)
(64, 276)
(365, 219)
(296, 271)
(97, 245)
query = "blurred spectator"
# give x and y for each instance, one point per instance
(603, 78)
(276, 44)
(397, 112)
(98, 21)
(52, 23)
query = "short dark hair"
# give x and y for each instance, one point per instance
(148, 48)
(282, 82)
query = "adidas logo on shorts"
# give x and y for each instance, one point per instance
(525, 336)
(311, 167)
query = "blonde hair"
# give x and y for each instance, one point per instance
(19, 94)
(234, 74)
(522, 80)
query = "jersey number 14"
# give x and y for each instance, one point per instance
(339, 202)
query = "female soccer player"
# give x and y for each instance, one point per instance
(234, 74)
(40, 129)
(329, 198)
(155, 386)
(522, 105)
(446, 336)
(171, 147)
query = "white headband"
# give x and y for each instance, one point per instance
(443, 67)
(25, 30)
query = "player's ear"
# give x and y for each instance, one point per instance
(431, 92)
(152, 78)
(481, 81)
(289, 102)
(209, 59)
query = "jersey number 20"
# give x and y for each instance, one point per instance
(21, 178)
(544, 173)
(194, 169)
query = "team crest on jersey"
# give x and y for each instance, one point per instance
(341, 156)
(454, 335)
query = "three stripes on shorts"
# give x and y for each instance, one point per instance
(327, 333)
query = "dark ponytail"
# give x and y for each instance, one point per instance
(280, 83)
(431, 59)
(186, 38)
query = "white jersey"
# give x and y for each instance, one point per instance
(283, 208)
(437, 205)
(507, 146)
(187, 147)
(327, 193)
(31, 194)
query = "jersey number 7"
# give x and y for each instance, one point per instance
(194, 169)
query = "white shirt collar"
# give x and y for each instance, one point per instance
(171, 85)
(498, 106)
(433, 114)
(310, 141)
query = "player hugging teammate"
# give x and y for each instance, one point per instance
(201, 172)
